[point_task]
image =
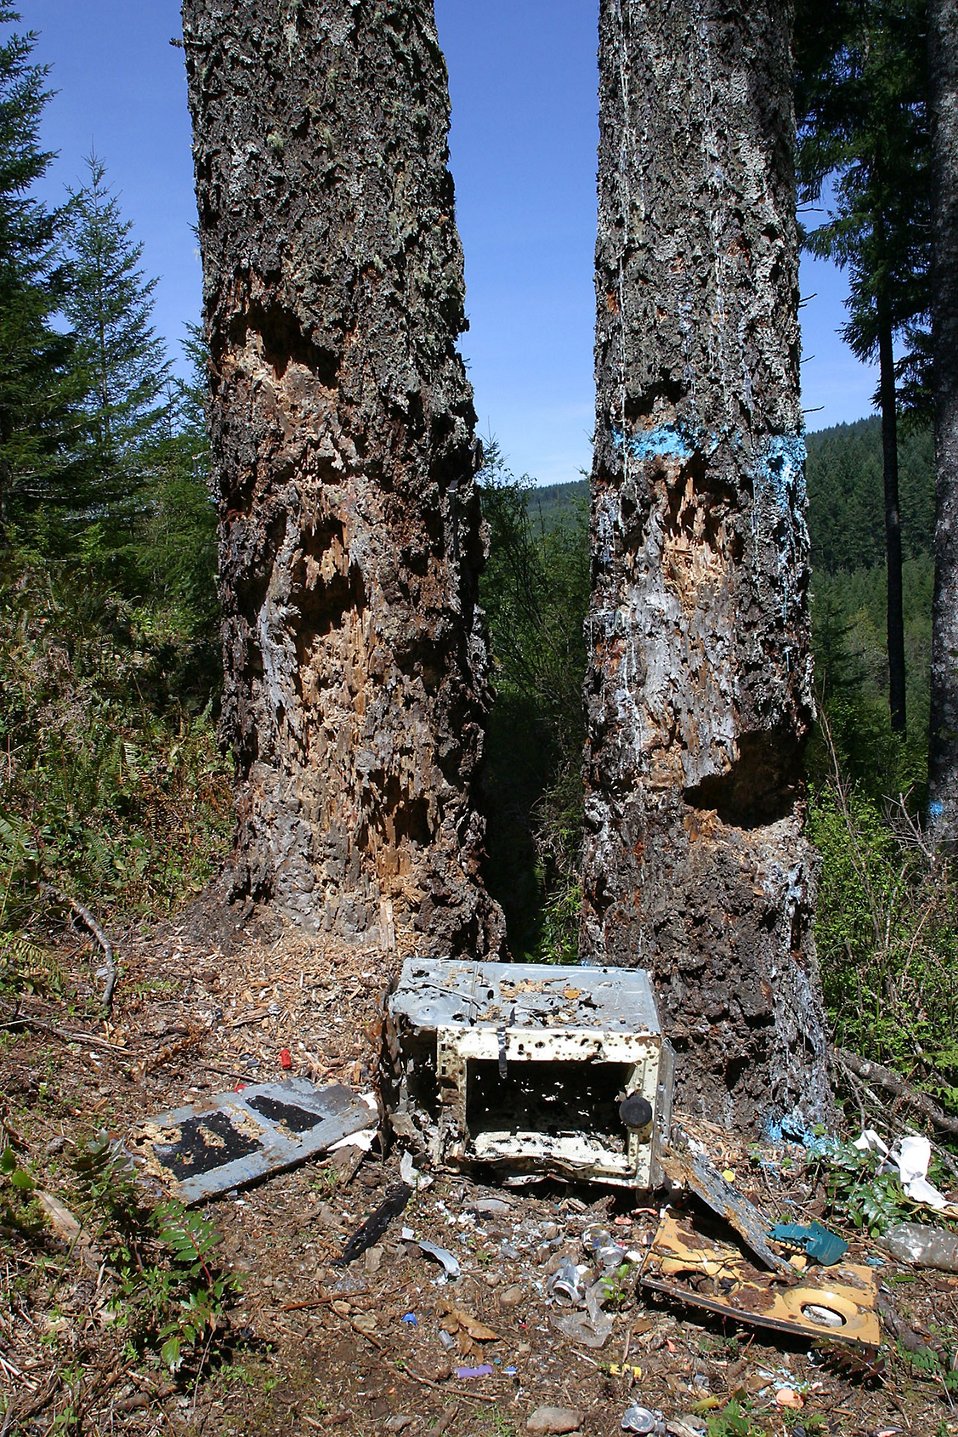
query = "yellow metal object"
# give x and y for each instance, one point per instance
(707, 1271)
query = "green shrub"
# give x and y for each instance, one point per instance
(111, 783)
(887, 937)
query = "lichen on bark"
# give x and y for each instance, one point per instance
(699, 689)
(343, 439)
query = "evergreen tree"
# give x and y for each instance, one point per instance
(943, 748)
(36, 410)
(862, 108)
(120, 360)
(176, 549)
(699, 674)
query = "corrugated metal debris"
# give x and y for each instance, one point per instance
(232, 1139)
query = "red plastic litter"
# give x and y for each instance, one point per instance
(285, 1058)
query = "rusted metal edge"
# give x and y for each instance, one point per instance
(694, 1171)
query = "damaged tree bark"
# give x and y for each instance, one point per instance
(343, 435)
(699, 691)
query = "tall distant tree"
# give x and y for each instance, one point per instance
(342, 431)
(943, 746)
(862, 89)
(36, 414)
(699, 688)
(120, 360)
(175, 550)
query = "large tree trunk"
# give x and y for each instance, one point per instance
(895, 617)
(943, 747)
(699, 691)
(342, 427)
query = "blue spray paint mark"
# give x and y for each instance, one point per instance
(779, 476)
(782, 467)
(666, 441)
(936, 808)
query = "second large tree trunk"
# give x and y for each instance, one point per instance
(699, 691)
(943, 747)
(342, 427)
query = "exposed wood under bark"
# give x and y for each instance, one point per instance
(342, 427)
(699, 691)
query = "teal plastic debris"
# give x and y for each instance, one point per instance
(816, 1241)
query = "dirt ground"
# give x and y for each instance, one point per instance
(381, 1345)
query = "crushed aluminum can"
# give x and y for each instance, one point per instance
(565, 1284)
(644, 1420)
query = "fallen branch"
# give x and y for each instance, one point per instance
(893, 1082)
(65, 1035)
(89, 922)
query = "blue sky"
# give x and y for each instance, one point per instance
(523, 83)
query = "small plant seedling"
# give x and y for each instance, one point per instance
(734, 1420)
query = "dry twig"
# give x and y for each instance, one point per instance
(894, 1083)
(90, 923)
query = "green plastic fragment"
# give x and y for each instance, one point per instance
(816, 1241)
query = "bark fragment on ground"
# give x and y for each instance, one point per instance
(343, 436)
(699, 689)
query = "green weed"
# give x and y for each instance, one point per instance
(171, 1296)
(886, 932)
(856, 1191)
(734, 1420)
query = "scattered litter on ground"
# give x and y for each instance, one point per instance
(566, 1284)
(923, 1246)
(343, 1354)
(411, 1175)
(694, 1170)
(705, 1271)
(645, 1420)
(583, 1328)
(909, 1156)
(450, 1264)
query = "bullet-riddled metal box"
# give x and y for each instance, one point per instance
(523, 1067)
